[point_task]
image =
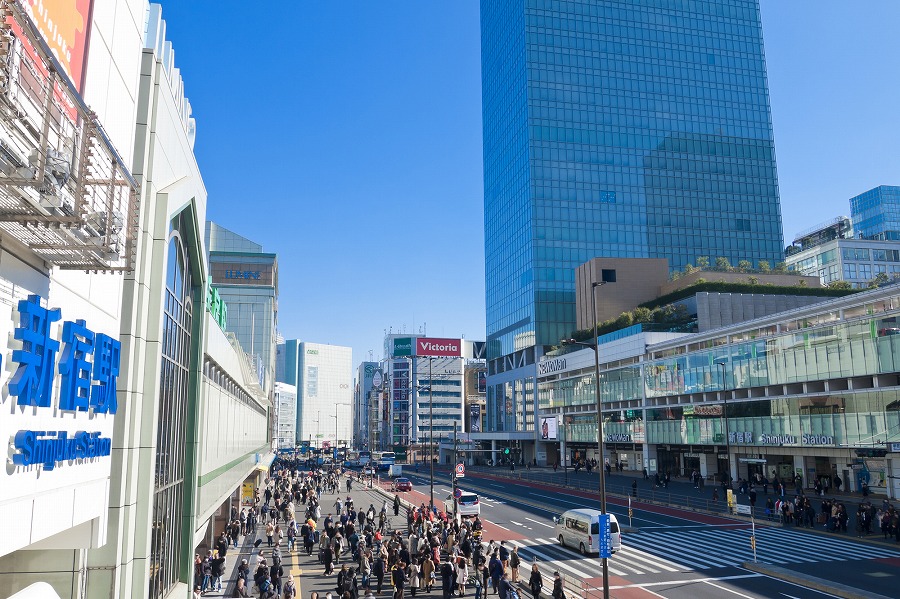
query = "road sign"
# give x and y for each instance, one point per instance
(605, 540)
(743, 509)
(460, 470)
(457, 493)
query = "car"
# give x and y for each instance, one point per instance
(580, 529)
(468, 504)
(369, 471)
(403, 484)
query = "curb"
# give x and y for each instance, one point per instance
(819, 584)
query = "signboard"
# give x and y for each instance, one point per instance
(377, 379)
(447, 348)
(215, 305)
(64, 25)
(460, 470)
(550, 366)
(236, 273)
(605, 540)
(743, 509)
(402, 346)
(549, 428)
(247, 495)
(482, 382)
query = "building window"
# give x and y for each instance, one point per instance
(849, 271)
(168, 496)
(856, 254)
(865, 271)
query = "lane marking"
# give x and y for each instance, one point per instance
(517, 523)
(557, 563)
(690, 580)
(497, 525)
(538, 522)
(727, 590)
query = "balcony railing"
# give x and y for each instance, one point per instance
(65, 191)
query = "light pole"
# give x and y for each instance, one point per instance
(608, 277)
(430, 421)
(727, 478)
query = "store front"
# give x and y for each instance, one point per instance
(629, 455)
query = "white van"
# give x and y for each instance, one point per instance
(580, 529)
(468, 504)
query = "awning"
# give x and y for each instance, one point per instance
(38, 590)
(264, 461)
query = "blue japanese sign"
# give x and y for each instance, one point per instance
(605, 537)
(88, 367)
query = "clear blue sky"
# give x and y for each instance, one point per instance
(346, 137)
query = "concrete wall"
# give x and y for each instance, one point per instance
(637, 281)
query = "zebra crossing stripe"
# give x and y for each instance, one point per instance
(559, 563)
(844, 546)
(657, 562)
(565, 556)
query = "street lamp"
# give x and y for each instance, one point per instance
(608, 276)
(727, 478)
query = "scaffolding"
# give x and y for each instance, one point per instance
(65, 192)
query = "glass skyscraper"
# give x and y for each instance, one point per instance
(617, 128)
(876, 213)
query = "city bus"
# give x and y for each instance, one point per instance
(364, 458)
(384, 460)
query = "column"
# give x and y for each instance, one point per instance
(494, 452)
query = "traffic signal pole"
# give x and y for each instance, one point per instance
(455, 478)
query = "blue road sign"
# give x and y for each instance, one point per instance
(605, 540)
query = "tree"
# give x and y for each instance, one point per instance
(839, 285)
(763, 266)
(745, 265)
(879, 280)
(753, 280)
(702, 262)
(723, 264)
(781, 267)
(624, 320)
(641, 315)
(689, 268)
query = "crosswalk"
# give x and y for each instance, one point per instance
(687, 550)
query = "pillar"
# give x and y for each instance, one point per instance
(494, 451)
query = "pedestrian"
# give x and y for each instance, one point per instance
(240, 589)
(514, 563)
(217, 567)
(428, 575)
(865, 489)
(398, 579)
(558, 592)
(290, 588)
(535, 581)
(414, 579)
(505, 589)
(396, 505)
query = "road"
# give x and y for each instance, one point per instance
(672, 552)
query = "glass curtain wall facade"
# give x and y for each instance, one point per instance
(638, 129)
(876, 213)
(169, 492)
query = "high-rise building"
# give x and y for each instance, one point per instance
(876, 213)
(615, 129)
(285, 415)
(247, 279)
(364, 395)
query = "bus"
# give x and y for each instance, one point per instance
(364, 458)
(383, 460)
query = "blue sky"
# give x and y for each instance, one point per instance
(346, 137)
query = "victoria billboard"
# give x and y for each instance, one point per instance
(444, 348)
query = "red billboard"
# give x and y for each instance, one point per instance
(445, 348)
(64, 25)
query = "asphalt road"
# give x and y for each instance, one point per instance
(672, 553)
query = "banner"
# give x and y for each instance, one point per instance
(247, 495)
(482, 381)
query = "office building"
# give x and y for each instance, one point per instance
(324, 382)
(247, 280)
(613, 129)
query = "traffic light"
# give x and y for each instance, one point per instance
(506, 451)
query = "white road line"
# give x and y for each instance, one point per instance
(681, 581)
(654, 561)
(517, 523)
(733, 592)
(556, 563)
(537, 522)
(497, 525)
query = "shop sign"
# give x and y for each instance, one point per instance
(88, 369)
(618, 438)
(442, 348)
(403, 346)
(551, 366)
(895, 447)
(777, 439)
(243, 274)
(215, 305)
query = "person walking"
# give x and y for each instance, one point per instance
(414, 579)
(558, 592)
(535, 581)
(514, 563)
(398, 579)
(396, 505)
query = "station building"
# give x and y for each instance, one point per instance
(813, 392)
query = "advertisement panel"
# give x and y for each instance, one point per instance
(475, 418)
(482, 381)
(447, 348)
(402, 346)
(549, 429)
